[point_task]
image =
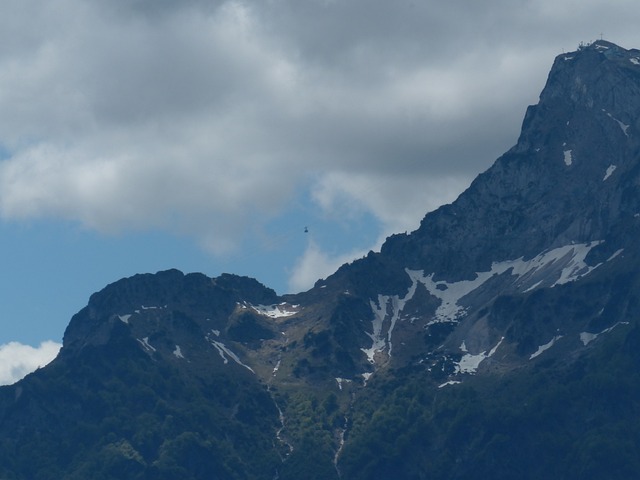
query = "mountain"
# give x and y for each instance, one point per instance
(498, 340)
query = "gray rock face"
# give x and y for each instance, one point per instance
(571, 177)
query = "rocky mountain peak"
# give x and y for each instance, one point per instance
(194, 295)
(571, 177)
(597, 83)
(597, 75)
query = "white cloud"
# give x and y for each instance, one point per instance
(398, 202)
(18, 360)
(315, 264)
(200, 118)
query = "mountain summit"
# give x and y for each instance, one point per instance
(500, 339)
(578, 144)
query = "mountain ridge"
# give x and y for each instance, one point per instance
(538, 132)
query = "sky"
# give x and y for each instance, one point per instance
(142, 135)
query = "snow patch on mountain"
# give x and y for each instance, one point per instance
(178, 352)
(545, 347)
(281, 310)
(152, 307)
(469, 363)
(615, 254)
(610, 170)
(586, 338)
(624, 127)
(450, 382)
(449, 293)
(146, 345)
(568, 158)
(340, 381)
(548, 269)
(572, 258)
(386, 313)
(554, 267)
(379, 342)
(224, 351)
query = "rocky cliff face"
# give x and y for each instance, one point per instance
(558, 206)
(570, 178)
(532, 273)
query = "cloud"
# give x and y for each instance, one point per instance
(315, 264)
(18, 360)
(398, 202)
(200, 118)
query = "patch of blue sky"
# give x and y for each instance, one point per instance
(5, 153)
(273, 248)
(51, 268)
